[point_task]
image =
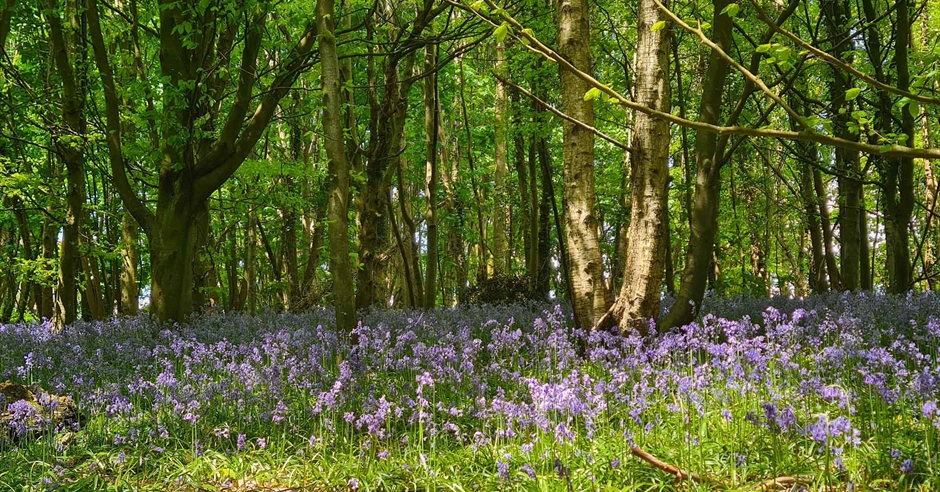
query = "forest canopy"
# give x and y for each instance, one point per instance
(252, 155)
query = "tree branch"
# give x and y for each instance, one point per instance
(536, 46)
(131, 201)
(564, 116)
(839, 63)
(223, 160)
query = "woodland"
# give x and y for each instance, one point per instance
(469, 244)
(262, 155)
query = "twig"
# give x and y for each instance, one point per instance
(679, 473)
(564, 116)
(784, 481)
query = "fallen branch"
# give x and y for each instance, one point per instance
(679, 473)
(775, 483)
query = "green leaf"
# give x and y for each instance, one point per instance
(731, 9)
(592, 94)
(658, 26)
(885, 148)
(501, 32)
(852, 93)
(913, 109)
(764, 48)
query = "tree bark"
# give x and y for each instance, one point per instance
(387, 120)
(638, 301)
(589, 291)
(344, 300)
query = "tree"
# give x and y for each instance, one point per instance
(638, 300)
(703, 224)
(196, 157)
(586, 271)
(344, 300)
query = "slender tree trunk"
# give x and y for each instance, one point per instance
(251, 259)
(49, 232)
(455, 279)
(836, 16)
(526, 215)
(638, 301)
(546, 201)
(589, 294)
(897, 173)
(344, 300)
(705, 207)
(931, 194)
(289, 251)
(412, 253)
(501, 253)
(71, 151)
(7, 279)
(811, 212)
(478, 200)
(835, 280)
(903, 208)
(864, 276)
(432, 123)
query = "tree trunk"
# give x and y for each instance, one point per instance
(72, 153)
(526, 217)
(129, 258)
(289, 251)
(900, 207)
(432, 122)
(172, 253)
(897, 173)
(817, 271)
(478, 200)
(50, 232)
(704, 219)
(191, 169)
(251, 276)
(638, 301)
(836, 17)
(543, 280)
(589, 292)
(864, 276)
(383, 154)
(501, 253)
(344, 300)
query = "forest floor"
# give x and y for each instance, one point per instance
(836, 392)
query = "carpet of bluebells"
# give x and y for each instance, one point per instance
(838, 391)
